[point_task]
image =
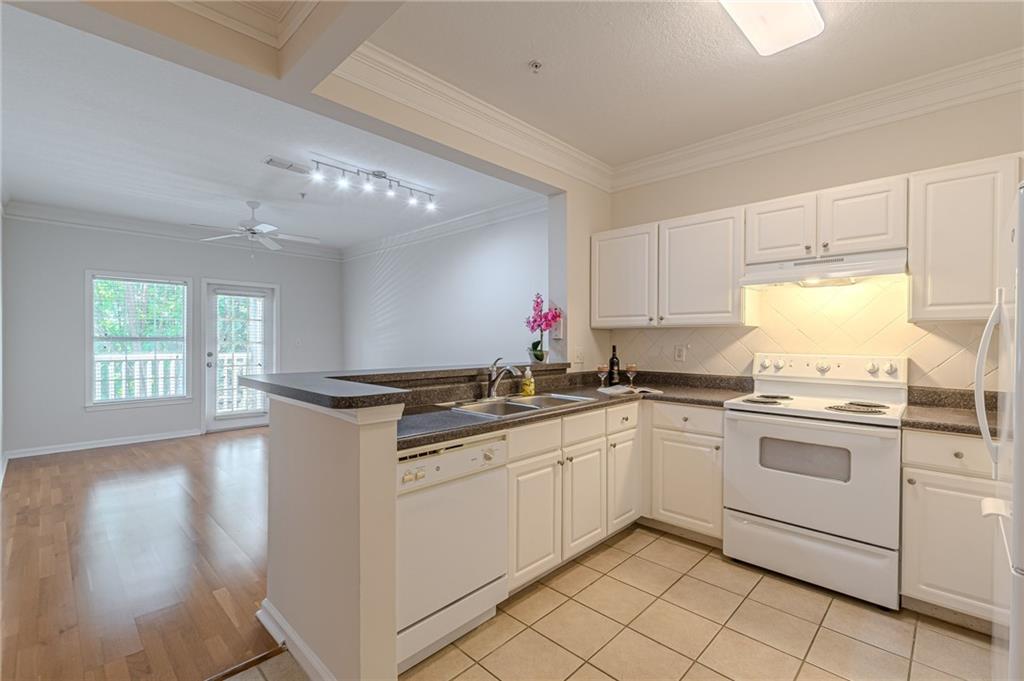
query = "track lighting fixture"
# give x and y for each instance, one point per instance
(369, 180)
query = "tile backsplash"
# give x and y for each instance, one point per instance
(865, 318)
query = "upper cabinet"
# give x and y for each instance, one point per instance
(868, 216)
(961, 221)
(781, 229)
(624, 277)
(699, 265)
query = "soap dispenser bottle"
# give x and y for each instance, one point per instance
(529, 387)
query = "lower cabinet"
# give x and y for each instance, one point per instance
(535, 516)
(687, 480)
(584, 497)
(625, 479)
(952, 556)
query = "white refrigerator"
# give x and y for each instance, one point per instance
(1003, 331)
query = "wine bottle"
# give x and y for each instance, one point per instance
(613, 368)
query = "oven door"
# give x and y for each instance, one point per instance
(839, 478)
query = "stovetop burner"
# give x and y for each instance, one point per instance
(871, 405)
(774, 397)
(761, 399)
(858, 408)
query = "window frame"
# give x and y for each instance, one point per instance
(90, 363)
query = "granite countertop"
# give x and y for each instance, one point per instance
(322, 389)
(946, 419)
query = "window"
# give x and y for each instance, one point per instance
(139, 339)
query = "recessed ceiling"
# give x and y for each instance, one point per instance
(95, 126)
(624, 81)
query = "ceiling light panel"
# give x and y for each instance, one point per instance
(772, 27)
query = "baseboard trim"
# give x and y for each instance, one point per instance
(282, 632)
(96, 444)
(679, 531)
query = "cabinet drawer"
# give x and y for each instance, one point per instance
(622, 417)
(954, 453)
(534, 439)
(686, 418)
(582, 427)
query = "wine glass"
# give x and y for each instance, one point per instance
(602, 371)
(631, 372)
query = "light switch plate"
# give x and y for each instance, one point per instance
(681, 353)
(578, 357)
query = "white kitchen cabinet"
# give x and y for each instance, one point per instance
(781, 229)
(624, 277)
(625, 479)
(584, 496)
(700, 263)
(867, 216)
(535, 516)
(960, 221)
(949, 549)
(687, 481)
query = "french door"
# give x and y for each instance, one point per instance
(240, 324)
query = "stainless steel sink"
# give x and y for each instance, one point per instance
(494, 409)
(550, 400)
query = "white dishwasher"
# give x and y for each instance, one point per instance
(452, 544)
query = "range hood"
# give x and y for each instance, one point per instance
(826, 267)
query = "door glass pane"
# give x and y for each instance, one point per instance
(806, 458)
(241, 350)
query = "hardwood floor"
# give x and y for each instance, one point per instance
(136, 562)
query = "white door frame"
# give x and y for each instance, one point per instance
(208, 284)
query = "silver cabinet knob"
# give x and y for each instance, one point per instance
(613, 445)
(561, 463)
(807, 248)
(958, 455)
(650, 319)
(824, 244)
(661, 318)
(718, 448)
(625, 419)
(911, 481)
(569, 459)
(685, 419)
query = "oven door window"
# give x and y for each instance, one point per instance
(805, 458)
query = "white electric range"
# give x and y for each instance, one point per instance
(812, 471)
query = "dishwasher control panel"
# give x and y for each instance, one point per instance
(454, 461)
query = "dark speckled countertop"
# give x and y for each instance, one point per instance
(946, 419)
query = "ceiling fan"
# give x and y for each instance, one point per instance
(256, 230)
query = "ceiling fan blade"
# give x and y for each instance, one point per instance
(295, 237)
(263, 227)
(219, 228)
(269, 243)
(222, 236)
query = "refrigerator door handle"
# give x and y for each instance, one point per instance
(1002, 511)
(979, 381)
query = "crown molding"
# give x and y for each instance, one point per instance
(969, 82)
(396, 79)
(483, 218)
(252, 20)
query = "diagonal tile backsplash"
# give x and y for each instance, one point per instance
(866, 318)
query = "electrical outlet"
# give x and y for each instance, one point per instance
(681, 352)
(578, 357)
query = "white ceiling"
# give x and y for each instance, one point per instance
(95, 126)
(623, 81)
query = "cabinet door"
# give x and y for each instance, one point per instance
(625, 480)
(700, 258)
(949, 549)
(960, 221)
(869, 216)
(623, 277)
(535, 516)
(687, 481)
(584, 497)
(781, 229)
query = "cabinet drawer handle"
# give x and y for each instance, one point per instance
(911, 481)
(625, 419)
(958, 455)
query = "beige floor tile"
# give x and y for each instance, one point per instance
(603, 558)
(699, 672)
(689, 543)
(476, 673)
(680, 630)
(954, 631)
(611, 597)
(854, 660)
(589, 672)
(704, 599)
(282, 667)
(582, 630)
(788, 633)
(809, 672)
(920, 672)
(488, 636)
(443, 665)
(952, 655)
(532, 603)
(889, 631)
(633, 539)
(571, 579)
(729, 576)
(531, 657)
(742, 659)
(632, 656)
(671, 554)
(805, 602)
(645, 575)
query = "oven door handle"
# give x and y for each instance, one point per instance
(882, 432)
(979, 381)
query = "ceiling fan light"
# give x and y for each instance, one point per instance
(772, 27)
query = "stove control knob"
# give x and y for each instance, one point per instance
(765, 363)
(891, 368)
(872, 367)
(778, 364)
(823, 367)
